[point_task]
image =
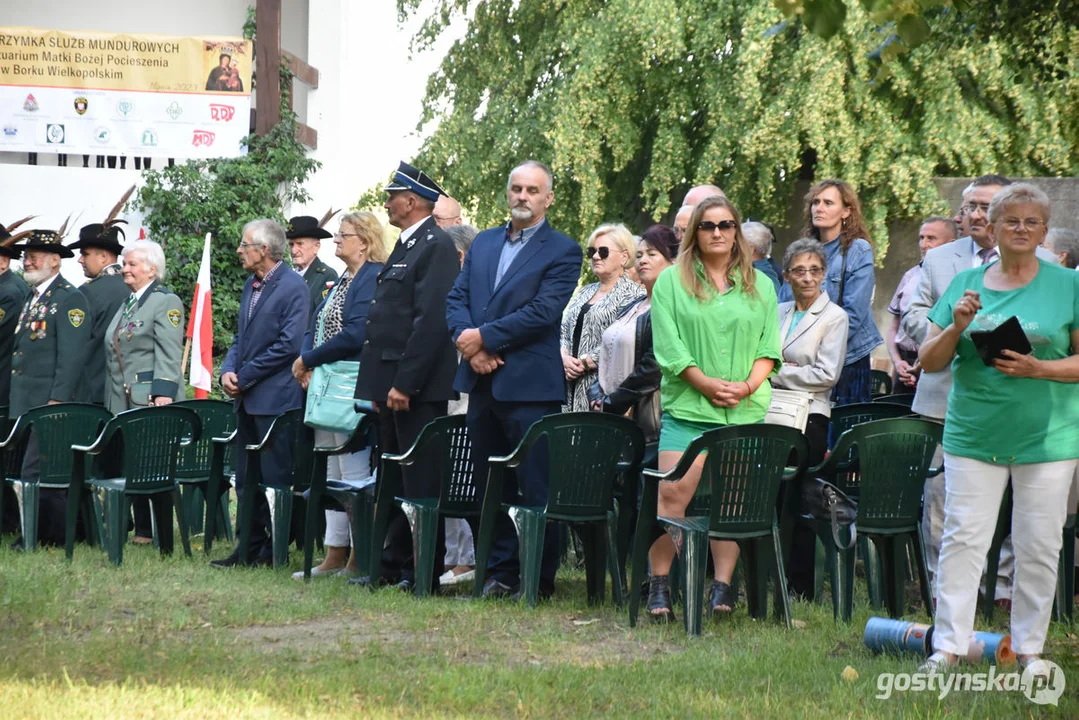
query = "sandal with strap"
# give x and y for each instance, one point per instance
(722, 595)
(659, 599)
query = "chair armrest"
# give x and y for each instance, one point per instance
(225, 439)
(98, 445)
(275, 427)
(17, 430)
(356, 442)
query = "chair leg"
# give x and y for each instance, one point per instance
(694, 556)
(756, 580)
(1064, 602)
(116, 509)
(595, 569)
(616, 562)
(918, 545)
(781, 600)
(362, 517)
(181, 522)
(280, 501)
(424, 524)
(639, 564)
(314, 506)
(820, 569)
(28, 495)
(161, 512)
(245, 514)
(893, 556)
(872, 563)
(192, 504)
(531, 528)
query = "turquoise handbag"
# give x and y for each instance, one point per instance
(331, 403)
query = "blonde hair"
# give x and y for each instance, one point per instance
(371, 233)
(689, 253)
(622, 239)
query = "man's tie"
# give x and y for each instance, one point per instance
(987, 255)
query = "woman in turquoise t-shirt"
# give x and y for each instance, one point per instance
(1017, 418)
(716, 337)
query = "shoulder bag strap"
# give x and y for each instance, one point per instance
(842, 276)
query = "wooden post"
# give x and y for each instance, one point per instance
(268, 62)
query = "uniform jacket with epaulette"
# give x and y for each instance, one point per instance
(104, 295)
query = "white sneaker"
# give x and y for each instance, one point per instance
(316, 572)
(448, 578)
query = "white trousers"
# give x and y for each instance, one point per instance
(354, 466)
(974, 490)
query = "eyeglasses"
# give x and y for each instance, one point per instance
(1012, 223)
(342, 236)
(245, 245)
(603, 252)
(970, 207)
(709, 226)
(678, 231)
(799, 272)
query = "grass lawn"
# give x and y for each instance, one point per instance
(171, 637)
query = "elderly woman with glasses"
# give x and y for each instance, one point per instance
(1011, 414)
(813, 335)
(716, 338)
(595, 306)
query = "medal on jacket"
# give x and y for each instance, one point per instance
(37, 330)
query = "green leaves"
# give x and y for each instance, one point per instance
(824, 17)
(913, 29)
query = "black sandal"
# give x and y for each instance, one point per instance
(722, 594)
(659, 598)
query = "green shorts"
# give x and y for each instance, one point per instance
(676, 435)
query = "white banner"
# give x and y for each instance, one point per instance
(102, 94)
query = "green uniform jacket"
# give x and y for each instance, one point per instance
(52, 342)
(319, 277)
(13, 294)
(150, 339)
(104, 294)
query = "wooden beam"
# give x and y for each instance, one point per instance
(307, 135)
(268, 60)
(300, 69)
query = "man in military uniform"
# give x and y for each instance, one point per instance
(99, 249)
(13, 294)
(52, 343)
(408, 360)
(305, 237)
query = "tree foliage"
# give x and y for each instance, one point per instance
(184, 202)
(632, 101)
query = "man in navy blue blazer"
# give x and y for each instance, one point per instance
(504, 313)
(257, 372)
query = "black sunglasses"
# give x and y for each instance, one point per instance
(709, 226)
(604, 252)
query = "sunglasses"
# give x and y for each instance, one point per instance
(709, 226)
(604, 252)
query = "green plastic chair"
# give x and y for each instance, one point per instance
(904, 399)
(287, 427)
(442, 449)
(735, 500)
(57, 428)
(149, 441)
(881, 383)
(342, 495)
(1064, 602)
(891, 459)
(218, 418)
(588, 452)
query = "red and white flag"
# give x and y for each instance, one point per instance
(200, 329)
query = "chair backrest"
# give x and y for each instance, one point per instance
(218, 420)
(586, 452)
(881, 383)
(444, 450)
(741, 476)
(151, 438)
(57, 428)
(904, 399)
(893, 460)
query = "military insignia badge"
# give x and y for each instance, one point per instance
(174, 317)
(81, 104)
(75, 317)
(410, 243)
(3, 313)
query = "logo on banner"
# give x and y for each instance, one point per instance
(31, 103)
(103, 135)
(149, 137)
(81, 104)
(223, 113)
(54, 134)
(174, 111)
(124, 108)
(202, 138)
(11, 131)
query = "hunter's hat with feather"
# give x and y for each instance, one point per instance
(105, 235)
(43, 240)
(7, 240)
(306, 226)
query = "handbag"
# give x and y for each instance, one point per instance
(331, 403)
(789, 408)
(821, 500)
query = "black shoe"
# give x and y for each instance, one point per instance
(365, 581)
(231, 561)
(543, 595)
(659, 598)
(17, 545)
(722, 594)
(405, 585)
(495, 590)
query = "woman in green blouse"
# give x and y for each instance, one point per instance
(716, 329)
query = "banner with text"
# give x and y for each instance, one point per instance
(106, 94)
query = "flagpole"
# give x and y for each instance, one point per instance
(187, 352)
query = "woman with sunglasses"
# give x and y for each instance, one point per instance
(592, 310)
(716, 338)
(833, 216)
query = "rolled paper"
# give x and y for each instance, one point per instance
(899, 637)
